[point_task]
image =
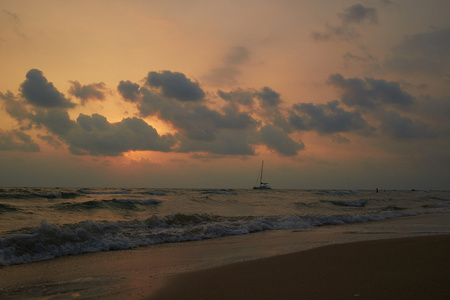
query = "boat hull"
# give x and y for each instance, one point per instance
(263, 187)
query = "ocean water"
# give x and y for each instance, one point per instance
(46, 223)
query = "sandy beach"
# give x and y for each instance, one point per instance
(405, 258)
(408, 268)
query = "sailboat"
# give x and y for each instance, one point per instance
(262, 185)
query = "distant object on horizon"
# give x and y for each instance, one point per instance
(262, 185)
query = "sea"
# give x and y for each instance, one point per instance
(46, 223)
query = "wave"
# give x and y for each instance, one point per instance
(25, 194)
(49, 241)
(353, 203)
(89, 192)
(128, 204)
(220, 192)
(337, 192)
(154, 193)
(7, 208)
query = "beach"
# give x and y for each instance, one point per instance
(401, 258)
(408, 268)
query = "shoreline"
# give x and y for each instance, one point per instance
(142, 272)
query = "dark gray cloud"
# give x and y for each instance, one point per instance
(240, 96)
(14, 107)
(277, 139)
(228, 142)
(406, 128)
(328, 119)
(94, 135)
(370, 93)
(88, 92)
(397, 113)
(195, 120)
(358, 14)
(234, 123)
(128, 90)
(352, 16)
(41, 93)
(423, 53)
(56, 121)
(268, 97)
(17, 140)
(175, 85)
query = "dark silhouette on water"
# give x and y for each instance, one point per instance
(262, 185)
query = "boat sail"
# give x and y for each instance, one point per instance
(262, 185)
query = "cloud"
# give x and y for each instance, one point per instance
(88, 92)
(227, 142)
(17, 140)
(328, 119)
(195, 120)
(226, 74)
(175, 85)
(240, 96)
(14, 107)
(41, 93)
(397, 113)
(128, 90)
(237, 56)
(352, 16)
(276, 139)
(268, 97)
(406, 128)
(94, 135)
(423, 53)
(358, 14)
(56, 121)
(370, 93)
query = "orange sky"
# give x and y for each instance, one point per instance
(330, 94)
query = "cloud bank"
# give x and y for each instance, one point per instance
(235, 122)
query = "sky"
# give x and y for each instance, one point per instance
(196, 94)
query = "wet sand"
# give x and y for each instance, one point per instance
(408, 268)
(272, 264)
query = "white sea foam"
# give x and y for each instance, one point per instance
(48, 241)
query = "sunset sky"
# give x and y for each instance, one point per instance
(330, 94)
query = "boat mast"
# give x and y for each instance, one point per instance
(261, 177)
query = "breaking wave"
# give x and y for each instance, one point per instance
(48, 241)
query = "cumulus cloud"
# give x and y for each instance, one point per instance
(17, 140)
(175, 85)
(128, 90)
(370, 93)
(278, 140)
(41, 93)
(328, 119)
(234, 123)
(398, 114)
(94, 135)
(268, 97)
(351, 17)
(88, 92)
(423, 53)
(195, 120)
